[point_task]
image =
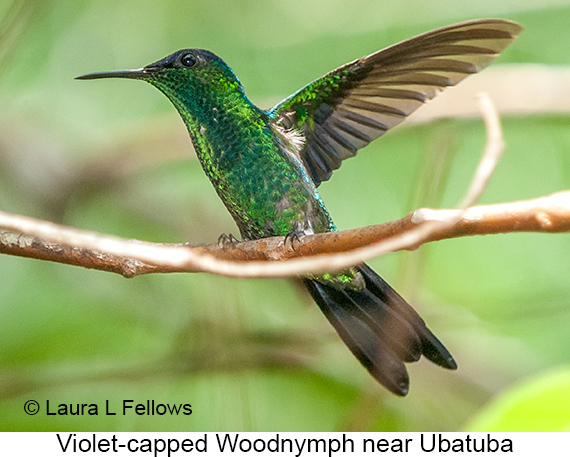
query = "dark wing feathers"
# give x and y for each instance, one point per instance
(353, 105)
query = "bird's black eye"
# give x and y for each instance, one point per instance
(189, 60)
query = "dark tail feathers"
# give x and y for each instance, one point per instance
(380, 329)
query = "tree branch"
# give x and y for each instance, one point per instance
(28, 237)
(317, 254)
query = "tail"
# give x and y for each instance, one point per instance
(380, 329)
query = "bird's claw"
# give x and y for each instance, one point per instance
(292, 236)
(226, 240)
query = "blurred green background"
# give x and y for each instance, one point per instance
(257, 355)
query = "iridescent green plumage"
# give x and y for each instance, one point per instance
(266, 165)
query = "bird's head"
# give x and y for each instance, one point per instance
(193, 79)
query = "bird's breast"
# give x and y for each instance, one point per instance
(259, 178)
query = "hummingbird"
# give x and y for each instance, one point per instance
(267, 165)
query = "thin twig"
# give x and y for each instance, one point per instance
(494, 148)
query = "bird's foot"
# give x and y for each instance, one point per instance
(292, 236)
(225, 240)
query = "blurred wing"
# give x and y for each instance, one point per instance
(349, 107)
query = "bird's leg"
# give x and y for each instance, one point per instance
(225, 240)
(292, 236)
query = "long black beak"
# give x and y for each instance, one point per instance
(141, 73)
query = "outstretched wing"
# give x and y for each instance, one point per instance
(349, 107)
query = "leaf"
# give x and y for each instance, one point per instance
(541, 404)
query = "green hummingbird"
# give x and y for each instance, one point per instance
(266, 165)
